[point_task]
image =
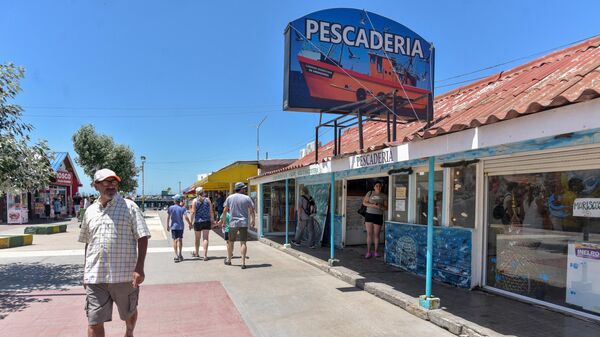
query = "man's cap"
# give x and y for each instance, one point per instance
(177, 197)
(104, 174)
(199, 190)
(239, 185)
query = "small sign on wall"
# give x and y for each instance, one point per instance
(587, 207)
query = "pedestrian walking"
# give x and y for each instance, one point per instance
(306, 212)
(76, 203)
(116, 239)
(57, 208)
(203, 217)
(219, 204)
(176, 215)
(241, 210)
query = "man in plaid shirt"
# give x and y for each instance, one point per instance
(116, 238)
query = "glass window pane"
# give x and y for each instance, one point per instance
(399, 193)
(532, 236)
(422, 195)
(462, 196)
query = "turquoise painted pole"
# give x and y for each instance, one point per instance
(332, 217)
(287, 211)
(260, 211)
(429, 271)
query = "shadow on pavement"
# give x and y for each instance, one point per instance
(262, 265)
(17, 280)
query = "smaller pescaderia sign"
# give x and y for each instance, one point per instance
(384, 156)
(63, 178)
(587, 207)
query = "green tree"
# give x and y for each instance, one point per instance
(96, 151)
(23, 166)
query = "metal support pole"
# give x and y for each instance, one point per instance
(261, 209)
(394, 118)
(257, 138)
(387, 122)
(427, 301)
(431, 94)
(287, 211)
(316, 142)
(335, 139)
(340, 140)
(360, 131)
(332, 259)
(430, 226)
(143, 159)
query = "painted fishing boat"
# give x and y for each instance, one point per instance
(327, 79)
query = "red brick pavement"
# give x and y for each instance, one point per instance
(190, 309)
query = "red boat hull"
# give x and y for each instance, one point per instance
(328, 81)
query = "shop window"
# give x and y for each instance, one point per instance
(462, 196)
(422, 197)
(399, 193)
(536, 247)
(274, 206)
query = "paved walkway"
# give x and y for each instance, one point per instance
(174, 311)
(277, 295)
(500, 314)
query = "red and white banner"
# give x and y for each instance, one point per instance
(63, 178)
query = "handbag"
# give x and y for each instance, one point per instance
(362, 210)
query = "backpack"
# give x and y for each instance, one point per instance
(312, 206)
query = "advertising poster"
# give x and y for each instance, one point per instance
(583, 275)
(339, 56)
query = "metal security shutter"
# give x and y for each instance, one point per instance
(575, 158)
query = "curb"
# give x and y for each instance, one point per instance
(49, 229)
(10, 241)
(439, 317)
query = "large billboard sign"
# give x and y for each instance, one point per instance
(339, 56)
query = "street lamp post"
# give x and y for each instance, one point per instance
(257, 137)
(143, 159)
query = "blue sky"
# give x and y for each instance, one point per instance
(186, 82)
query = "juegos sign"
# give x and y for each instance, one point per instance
(340, 56)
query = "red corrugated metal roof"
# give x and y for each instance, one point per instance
(560, 78)
(563, 77)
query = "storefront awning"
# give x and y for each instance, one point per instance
(225, 178)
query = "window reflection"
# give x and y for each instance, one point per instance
(462, 198)
(531, 229)
(422, 197)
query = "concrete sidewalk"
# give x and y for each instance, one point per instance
(464, 312)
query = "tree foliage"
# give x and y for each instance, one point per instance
(23, 166)
(96, 151)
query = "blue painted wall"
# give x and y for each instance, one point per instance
(320, 193)
(406, 247)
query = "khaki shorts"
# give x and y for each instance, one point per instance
(100, 298)
(238, 234)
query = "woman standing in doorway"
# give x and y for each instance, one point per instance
(376, 203)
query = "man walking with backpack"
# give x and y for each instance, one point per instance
(306, 211)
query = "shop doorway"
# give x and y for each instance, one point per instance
(356, 189)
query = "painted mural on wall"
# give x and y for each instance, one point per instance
(406, 247)
(321, 195)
